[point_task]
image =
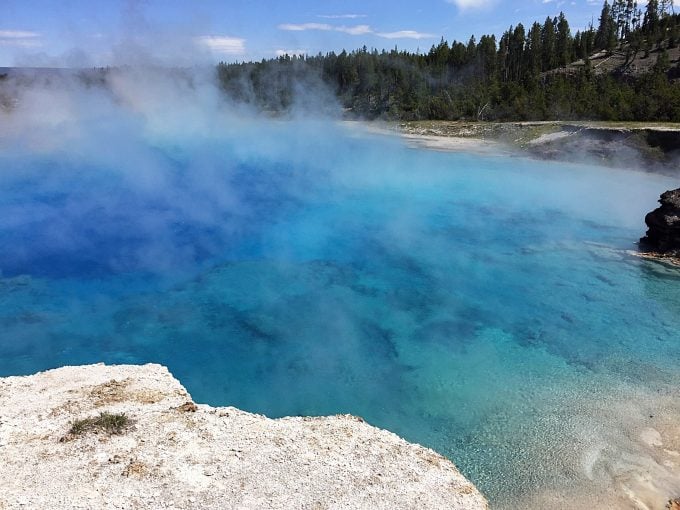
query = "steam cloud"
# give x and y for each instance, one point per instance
(148, 166)
(156, 168)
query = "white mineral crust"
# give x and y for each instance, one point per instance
(173, 457)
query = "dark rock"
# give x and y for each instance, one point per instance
(188, 407)
(663, 236)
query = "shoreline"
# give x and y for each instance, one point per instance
(666, 260)
(434, 142)
(647, 147)
(458, 144)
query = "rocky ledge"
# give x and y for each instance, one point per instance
(130, 437)
(663, 237)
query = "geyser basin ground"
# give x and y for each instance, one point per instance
(485, 307)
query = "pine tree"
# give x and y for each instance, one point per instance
(471, 50)
(534, 50)
(578, 46)
(563, 45)
(516, 53)
(616, 15)
(503, 56)
(548, 45)
(588, 39)
(650, 25)
(606, 31)
(439, 55)
(486, 54)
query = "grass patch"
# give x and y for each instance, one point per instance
(105, 422)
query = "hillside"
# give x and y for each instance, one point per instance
(625, 61)
(626, 69)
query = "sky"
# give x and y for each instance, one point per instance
(86, 33)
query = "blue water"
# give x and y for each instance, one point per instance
(470, 303)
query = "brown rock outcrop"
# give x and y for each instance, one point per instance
(663, 235)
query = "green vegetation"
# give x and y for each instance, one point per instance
(105, 422)
(623, 70)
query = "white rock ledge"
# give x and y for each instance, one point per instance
(209, 458)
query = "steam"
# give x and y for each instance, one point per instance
(134, 154)
(314, 267)
(164, 169)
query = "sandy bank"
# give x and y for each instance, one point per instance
(433, 141)
(174, 454)
(457, 144)
(651, 147)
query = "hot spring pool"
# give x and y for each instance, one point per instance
(482, 306)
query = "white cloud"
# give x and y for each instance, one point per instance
(341, 16)
(354, 30)
(404, 34)
(357, 30)
(471, 4)
(305, 26)
(223, 44)
(17, 34)
(20, 39)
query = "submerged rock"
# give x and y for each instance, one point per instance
(58, 451)
(663, 236)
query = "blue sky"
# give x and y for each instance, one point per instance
(109, 32)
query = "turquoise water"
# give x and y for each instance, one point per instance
(482, 306)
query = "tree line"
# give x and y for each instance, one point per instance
(541, 73)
